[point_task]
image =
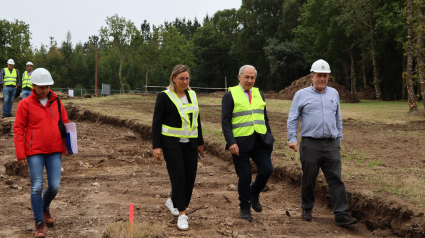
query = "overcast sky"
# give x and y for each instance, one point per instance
(84, 18)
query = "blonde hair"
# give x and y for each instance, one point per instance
(177, 70)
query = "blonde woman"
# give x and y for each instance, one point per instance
(176, 129)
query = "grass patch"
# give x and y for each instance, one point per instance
(386, 112)
(142, 230)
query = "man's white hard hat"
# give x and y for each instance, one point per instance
(41, 77)
(10, 61)
(29, 63)
(320, 66)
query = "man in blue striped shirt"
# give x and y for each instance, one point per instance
(321, 133)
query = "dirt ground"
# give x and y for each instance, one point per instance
(115, 167)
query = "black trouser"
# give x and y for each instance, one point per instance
(325, 154)
(261, 157)
(182, 164)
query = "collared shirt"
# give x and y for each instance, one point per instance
(18, 79)
(246, 94)
(319, 112)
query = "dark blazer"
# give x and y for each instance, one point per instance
(166, 113)
(245, 143)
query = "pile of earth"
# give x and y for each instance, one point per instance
(366, 93)
(289, 92)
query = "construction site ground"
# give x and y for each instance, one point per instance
(115, 167)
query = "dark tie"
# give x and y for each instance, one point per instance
(249, 95)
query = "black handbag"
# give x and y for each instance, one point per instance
(62, 127)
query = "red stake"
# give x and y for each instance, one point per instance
(130, 219)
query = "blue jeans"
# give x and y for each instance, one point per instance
(25, 93)
(8, 97)
(36, 164)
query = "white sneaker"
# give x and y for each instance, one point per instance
(182, 223)
(173, 210)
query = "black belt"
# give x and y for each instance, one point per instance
(321, 139)
(11, 86)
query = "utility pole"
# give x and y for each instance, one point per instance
(95, 83)
(134, 81)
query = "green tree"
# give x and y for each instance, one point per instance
(286, 62)
(15, 42)
(120, 34)
(175, 49)
(150, 50)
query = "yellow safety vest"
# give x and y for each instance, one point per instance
(10, 78)
(26, 80)
(187, 130)
(247, 117)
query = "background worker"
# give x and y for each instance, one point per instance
(26, 84)
(247, 132)
(318, 107)
(9, 78)
(39, 144)
(176, 128)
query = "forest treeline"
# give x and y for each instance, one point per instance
(365, 42)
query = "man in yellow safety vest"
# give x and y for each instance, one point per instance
(26, 84)
(247, 132)
(9, 78)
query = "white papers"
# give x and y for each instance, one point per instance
(71, 92)
(71, 138)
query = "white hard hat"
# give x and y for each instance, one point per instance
(10, 61)
(41, 77)
(29, 63)
(320, 66)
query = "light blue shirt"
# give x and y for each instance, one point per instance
(246, 94)
(319, 112)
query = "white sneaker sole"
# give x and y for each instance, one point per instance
(177, 213)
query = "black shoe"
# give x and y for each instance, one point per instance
(306, 215)
(255, 203)
(246, 215)
(4, 116)
(344, 220)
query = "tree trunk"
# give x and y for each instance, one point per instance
(147, 73)
(403, 79)
(119, 73)
(419, 50)
(347, 77)
(353, 72)
(375, 67)
(409, 84)
(364, 72)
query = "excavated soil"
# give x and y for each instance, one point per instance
(289, 92)
(115, 167)
(366, 93)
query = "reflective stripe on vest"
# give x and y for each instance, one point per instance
(26, 80)
(187, 130)
(10, 78)
(246, 117)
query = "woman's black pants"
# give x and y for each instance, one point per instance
(182, 164)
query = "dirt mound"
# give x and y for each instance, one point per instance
(62, 96)
(271, 92)
(289, 92)
(366, 93)
(14, 168)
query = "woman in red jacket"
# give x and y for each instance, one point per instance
(38, 143)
